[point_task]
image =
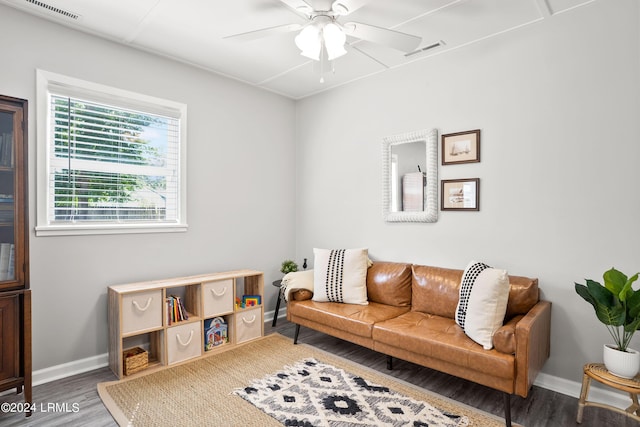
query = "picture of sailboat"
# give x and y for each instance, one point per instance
(460, 147)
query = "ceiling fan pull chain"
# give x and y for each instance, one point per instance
(323, 56)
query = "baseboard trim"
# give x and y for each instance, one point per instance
(546, 381)
(572, 388)
(53, 373)
(268, 315)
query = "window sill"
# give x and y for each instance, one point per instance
(83, 230)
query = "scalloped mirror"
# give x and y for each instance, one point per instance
(410, 177)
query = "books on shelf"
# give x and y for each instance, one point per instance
(6, 149)
(6, 209)
(175, 310)
(7, 261)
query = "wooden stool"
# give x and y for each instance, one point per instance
(598, 372)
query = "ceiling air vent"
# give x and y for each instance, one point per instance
(424, 49)
(54, 9)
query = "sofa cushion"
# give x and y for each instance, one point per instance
(389, 283)
(435, 290)
(441, 338)
(354, 318)
(483, 302)
(523, 295)
(340, 275)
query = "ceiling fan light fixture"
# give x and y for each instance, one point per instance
(313, 37)
(334, 40)
(308, 41)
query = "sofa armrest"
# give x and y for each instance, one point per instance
(533, 342)
(504, 339)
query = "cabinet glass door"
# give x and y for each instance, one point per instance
(10, 131)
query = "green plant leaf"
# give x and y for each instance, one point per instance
(607, 307)
(601, 294)
(627, 290)
(632, 326)
(614, 281)
(633, 305)
(611, 316)
(583, 291)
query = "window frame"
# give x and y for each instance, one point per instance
(69, 86)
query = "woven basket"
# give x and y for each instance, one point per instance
(135, 359)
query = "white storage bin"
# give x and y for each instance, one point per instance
(218, 298)
(183, 342)
(141, 311)
(248, 324)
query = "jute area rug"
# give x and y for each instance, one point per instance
(206, 392)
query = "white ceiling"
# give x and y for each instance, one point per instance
(193, 31)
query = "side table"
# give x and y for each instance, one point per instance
(598, 372)
(278, 284)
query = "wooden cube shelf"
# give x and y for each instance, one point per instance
(141, 314)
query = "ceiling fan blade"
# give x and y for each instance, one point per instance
(354, 47)
(384, 36)
(299, 6)
(265, 32)
(345, 7)
(321, 5)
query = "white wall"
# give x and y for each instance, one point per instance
(240, 208)
(558, 103)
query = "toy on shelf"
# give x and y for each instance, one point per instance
(251, 300)
(248, 301)
(215, 333)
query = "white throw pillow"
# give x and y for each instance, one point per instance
(484, 293)
(340, 275)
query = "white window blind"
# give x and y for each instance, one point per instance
(110, 164)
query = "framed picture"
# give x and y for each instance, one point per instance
(461, 147)
(460, 194)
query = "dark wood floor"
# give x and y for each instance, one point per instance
(74, 401)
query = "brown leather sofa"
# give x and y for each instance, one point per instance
(411, 314)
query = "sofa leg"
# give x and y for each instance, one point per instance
(389, 362)
(507, 409)
(295, 337)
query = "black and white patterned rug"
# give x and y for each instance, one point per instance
(311, 393)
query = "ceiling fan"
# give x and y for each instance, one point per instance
(323, 37)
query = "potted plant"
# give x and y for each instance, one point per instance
(288, 266)
(617, 306)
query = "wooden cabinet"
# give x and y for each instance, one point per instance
(15, 296)
(213, 317)
(9, 367)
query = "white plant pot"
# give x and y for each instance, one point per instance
(625, 364)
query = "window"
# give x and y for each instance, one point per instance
(109, 161)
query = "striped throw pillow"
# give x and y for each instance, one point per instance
(340, 275)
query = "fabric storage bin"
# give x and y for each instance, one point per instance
(218, 297)
(248, 324)
(141, 311)
(183, 342)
